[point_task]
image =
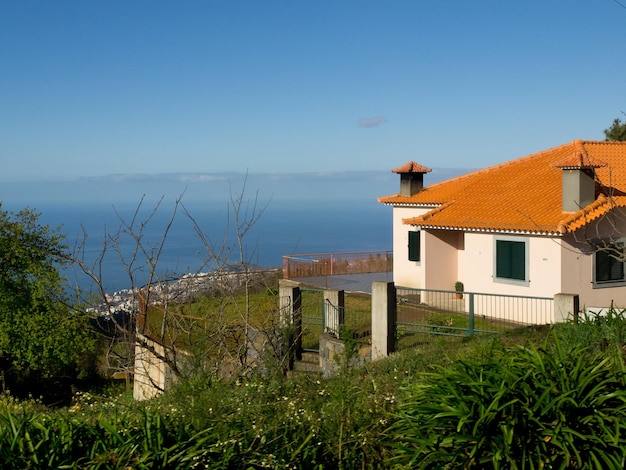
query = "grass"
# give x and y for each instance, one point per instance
(208, 316)
(204, 315)
(421, 325)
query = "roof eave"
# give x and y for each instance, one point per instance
(592, 212)
(494, 230)
(428, 205)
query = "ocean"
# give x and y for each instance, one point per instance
(284, 228)
(304, 213)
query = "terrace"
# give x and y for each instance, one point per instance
(349, 271)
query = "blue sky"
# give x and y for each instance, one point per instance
(91, 88)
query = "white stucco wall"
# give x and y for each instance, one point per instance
(150, 373)
(406, 273)
(450, 256)
(442, 251)
(477, 270)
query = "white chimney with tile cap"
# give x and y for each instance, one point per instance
(411, 178)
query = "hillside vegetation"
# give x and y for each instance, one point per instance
(537, 397)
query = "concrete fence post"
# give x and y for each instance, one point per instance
(384, 319)
(566, 307)
(290, 298)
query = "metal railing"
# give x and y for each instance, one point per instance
(425, 313)
(330, 264)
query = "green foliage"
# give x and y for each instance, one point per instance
(350, 347)
(41, 336)
(297, 423)
(507, 404)
(617, 131)
(127, 440)
(601, 332)
(207, 423)
(521, 409)
(247, 424)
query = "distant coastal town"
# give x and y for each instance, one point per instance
(181, 289)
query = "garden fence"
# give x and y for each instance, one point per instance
(426, 313)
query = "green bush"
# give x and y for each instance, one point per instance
(525, 408)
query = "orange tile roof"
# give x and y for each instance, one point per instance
(578, 159)
(523, 195)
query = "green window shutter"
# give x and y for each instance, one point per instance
(503, 259)
(414, 246)
(518, 261)
(511, 260)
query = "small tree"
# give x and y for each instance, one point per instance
(617, 131)
(231, 254)
(139, 259)
(195, 324)
(42, 336)
(603, 238)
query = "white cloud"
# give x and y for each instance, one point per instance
(166, 177)
(371, 122)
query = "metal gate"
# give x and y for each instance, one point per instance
(312, 318)
(334, 318)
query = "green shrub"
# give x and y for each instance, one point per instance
(599, 331)
(503, 406)
(302, 422)
(525, 408)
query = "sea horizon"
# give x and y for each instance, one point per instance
(304, 213)
(282, 229)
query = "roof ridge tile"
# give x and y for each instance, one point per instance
(412, 167)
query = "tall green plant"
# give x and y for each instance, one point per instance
(523, 409)
(599, 330)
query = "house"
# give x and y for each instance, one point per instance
(548, 223)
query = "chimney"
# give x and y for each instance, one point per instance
(411, 178)
(578, 178)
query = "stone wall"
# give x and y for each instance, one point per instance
(333, 354)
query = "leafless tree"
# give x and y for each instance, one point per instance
(184, 323)
(140, 261)
(603, 222)
(233, 259)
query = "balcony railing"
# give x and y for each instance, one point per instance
(330, 264)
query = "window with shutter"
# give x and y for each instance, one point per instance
(414, 246)
(511, 260)
(609, 264)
